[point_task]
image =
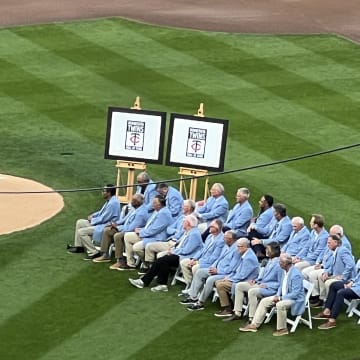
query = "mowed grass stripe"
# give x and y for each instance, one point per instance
(47, 143)
(153, 46)
(310, 63)
(204, 83)
(295, 94)
(69, 76)
(125, 329)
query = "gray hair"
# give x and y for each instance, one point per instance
(243, 242)
(144, 176)
(193, 221)
(191, 203)
(244, 191)
(219, 187)
(286, 258)
(337, 229)
(298, 220)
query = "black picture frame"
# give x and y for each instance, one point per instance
(208, 135)
(145, 129)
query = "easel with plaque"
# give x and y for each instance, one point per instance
(194, 173)
(130, 166)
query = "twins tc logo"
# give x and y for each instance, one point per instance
(135, 131)
(196, 143)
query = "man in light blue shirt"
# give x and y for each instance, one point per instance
(90, 229)
(281, 230)
(174, 199)
(215, 207)
(260, 225)
(240, 215)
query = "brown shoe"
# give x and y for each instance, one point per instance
(281, 332)
(233, 317)
(320, 316)
(125, 267)
(249, 328)
(102, 258)
(114, 266)
(223, 313)
(328, 325)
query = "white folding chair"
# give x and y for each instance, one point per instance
(353, 308)
(178, 277)
(216, 295)
(308, 287)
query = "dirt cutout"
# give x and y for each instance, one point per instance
(22, 211)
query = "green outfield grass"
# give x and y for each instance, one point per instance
(284, 96)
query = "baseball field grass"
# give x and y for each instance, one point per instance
(284, 96)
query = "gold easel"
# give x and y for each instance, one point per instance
(131, 166)
(136, 105)
(200, 111)
(194, 173)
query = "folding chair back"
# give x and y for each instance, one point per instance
(308, 287)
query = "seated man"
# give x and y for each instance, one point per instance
(205, 278)
(240, 216)
(211, 251)
(339, 231)
(215, 207)
(154, 230)
(173, 197)
(174, 232)
(87, 231)
(135, 218)
(317, 243)
(146, 188)
(260, 225)
(280, 233)
(340, 267)
(266, 284)
(335, 301)
(313, 273)
(247, 270)
(290, 294)
(190, 244)
(299, 237)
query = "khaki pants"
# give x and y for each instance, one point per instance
(131, 238)
(187, 271)
(311, 274)
(302, 265)
(83, 235)
(281, 312)
(153, 249)
(223, 288)
(112, 235)
(253, 291)
(324, 286)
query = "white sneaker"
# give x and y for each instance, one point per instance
(137, 283)
(185, 291)
(160, 288)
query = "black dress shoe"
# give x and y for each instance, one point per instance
(76, 250)
(92, 257)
